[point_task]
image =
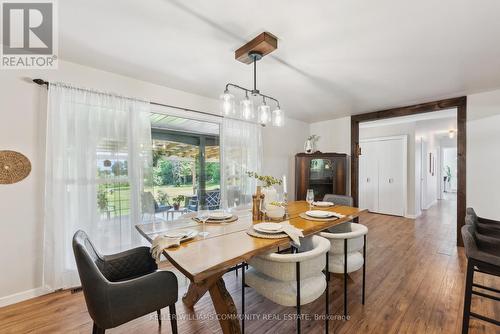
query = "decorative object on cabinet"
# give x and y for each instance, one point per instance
(310, 144)
(325, 173)
(14, 167)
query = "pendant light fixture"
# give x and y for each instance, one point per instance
(250, 53)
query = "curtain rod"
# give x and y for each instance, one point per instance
(42, 82)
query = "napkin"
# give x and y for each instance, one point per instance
(294, 233)
(336, 214)
(160, 243)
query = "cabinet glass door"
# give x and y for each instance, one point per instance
(321, 177)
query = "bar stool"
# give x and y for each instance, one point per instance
(483, 255)
(273, 276)
(484, 226)
(347, 240)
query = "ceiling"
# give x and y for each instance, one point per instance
(335, 58)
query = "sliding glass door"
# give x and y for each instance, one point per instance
(186, 165)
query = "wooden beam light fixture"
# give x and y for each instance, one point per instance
(251, 53)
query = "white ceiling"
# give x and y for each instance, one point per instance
(335, 58)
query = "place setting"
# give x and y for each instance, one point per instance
(170, 239)
(216, 217)
(271, 230)
(321, 215)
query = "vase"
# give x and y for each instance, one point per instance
(270, 195)
(309, 147)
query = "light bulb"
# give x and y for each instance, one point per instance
(278, 117)
(227, 103)
(264, 113)
(247, 111)
(451, 134)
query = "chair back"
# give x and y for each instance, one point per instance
(148, 203)
(283, 266)
(339, 199)
(89, 264)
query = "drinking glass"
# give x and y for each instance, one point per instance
(310, 198)
(203, 215)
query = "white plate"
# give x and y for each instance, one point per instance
(268, 227)
(219, 215)
(323, 204)
(319, 214)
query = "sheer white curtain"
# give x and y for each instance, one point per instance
(242, 152)
(98, 159)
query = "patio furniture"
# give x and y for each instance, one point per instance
(121, 287)
(150, 205)
(172, 212)
(212, 199)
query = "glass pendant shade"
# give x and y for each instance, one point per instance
(227, 104)
(278, 117)
(264, 114)
(247, 111)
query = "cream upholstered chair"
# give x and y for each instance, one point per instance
(347, 252)
(291, 279)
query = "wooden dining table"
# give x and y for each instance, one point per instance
(204, 260)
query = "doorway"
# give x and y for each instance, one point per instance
(460, 104)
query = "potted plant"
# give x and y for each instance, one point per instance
(268, 182)
(162, 198)
(177, 201)
(102, 200)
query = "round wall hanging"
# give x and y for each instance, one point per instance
(14, 167)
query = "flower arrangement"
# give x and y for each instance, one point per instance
(265, 179)
(313, 138)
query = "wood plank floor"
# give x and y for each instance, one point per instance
(415, 280)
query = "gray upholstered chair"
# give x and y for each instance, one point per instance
(483, 255)
(124, 286)
(338, 199)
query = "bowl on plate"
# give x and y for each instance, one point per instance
(275, 211)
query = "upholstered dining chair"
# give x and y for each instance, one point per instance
(338, 199)
(347, 252)
(124, 286)
(483, 255)
(484, 226)
(290, 279)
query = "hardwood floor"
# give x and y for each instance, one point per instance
(415, 282)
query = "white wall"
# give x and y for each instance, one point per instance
(335, 135)
(483, 153)
(22, 124)
(280, 147)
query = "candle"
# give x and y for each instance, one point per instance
(284, 184)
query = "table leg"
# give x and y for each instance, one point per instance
(222, 300)
(225, 308)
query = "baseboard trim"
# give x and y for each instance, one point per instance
(411, 216)
(23, 295)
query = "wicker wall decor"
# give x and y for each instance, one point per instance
(14, 167)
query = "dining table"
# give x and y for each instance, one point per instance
(204, 260)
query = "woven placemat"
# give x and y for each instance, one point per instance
(219, 221)
(257, 234)
(303, 215)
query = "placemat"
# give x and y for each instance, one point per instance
(258, 234)
(218, 221)
(303, 215)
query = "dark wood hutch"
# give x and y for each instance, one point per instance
(325, 173)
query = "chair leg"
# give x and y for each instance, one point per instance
(345, 278)
(243, 299)
(327, 277)
(364, 271)
(97, 330)
(298, 297)
(158, 313)
(173, 318)
(467, 297)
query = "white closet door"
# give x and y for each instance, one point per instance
(368, 176)
(392, 164)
